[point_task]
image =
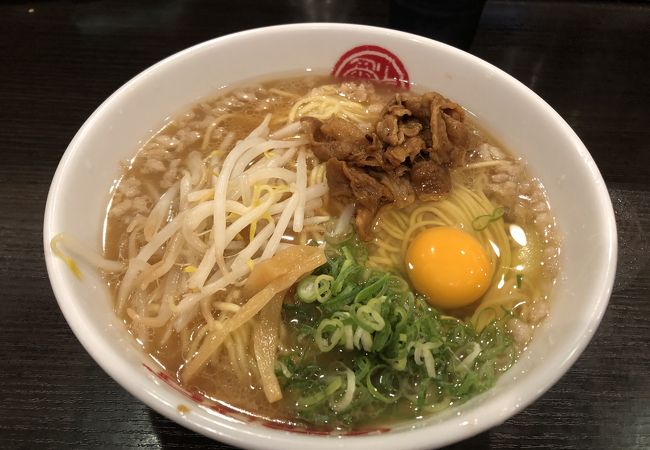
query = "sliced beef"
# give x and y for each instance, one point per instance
(441, 121)
(311, 127)
(364, 220)
(355, 154)
(349, 184)
(449, 135)
(409, 155)
(336, 149)
(343, 140)
(418, 105)
(410, 128)
(339, 129)
(397, 109)
(388, 130)
(338, 182)
(430, 180)
(394, 131)
(400, 188)
(408, 150)
(369, 193)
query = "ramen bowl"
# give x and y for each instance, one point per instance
(523, 123)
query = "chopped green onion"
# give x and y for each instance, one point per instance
(382, 338)
(468, 360)
(318, 397)
(481, 222)
(348, 335)
(373, 290)
(328, 334)
(283, 368)
(363, 366)
(315, 288)
(346, 399)
(306, 289)
(362, 339)
(370, 346)
(390, 398)
(370, 318)
(429, 362)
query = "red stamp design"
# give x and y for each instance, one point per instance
(371, 62)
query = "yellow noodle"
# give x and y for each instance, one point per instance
(391, 229)
(459, 209)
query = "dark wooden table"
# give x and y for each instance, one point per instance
(60, 59)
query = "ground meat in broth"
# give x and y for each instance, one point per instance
(161, 161)
(406, 156)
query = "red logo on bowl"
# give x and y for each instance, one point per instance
(371, 62)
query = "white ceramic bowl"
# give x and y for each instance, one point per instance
(521, 120)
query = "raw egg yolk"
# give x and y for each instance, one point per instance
(449, 266)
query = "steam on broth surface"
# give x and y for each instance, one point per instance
(329, 253)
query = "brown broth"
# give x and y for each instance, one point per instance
(150, 168)
(277, 95)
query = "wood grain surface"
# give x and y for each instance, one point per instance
(60, 59)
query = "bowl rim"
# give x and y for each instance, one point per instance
(530, 389)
